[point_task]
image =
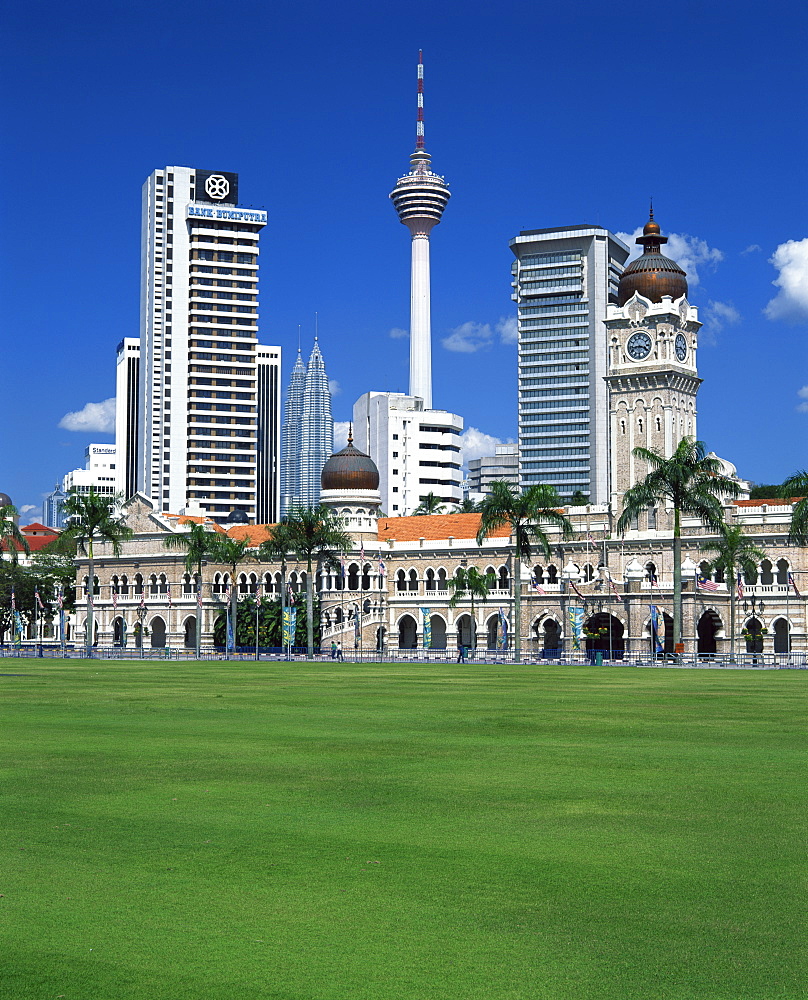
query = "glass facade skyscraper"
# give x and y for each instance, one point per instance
(563, 280)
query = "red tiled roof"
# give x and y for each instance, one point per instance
(36, 526)
(433, 527)
(254, 533)
(769, 501)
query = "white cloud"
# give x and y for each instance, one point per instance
(803, 394)
(341, 434)
(507, 329)
(475, 443)
(397, 333)
(93, 417)
(753, 248)
(689, 252)
(468, 338)
(334, 387)
(717, 315)
(791, 302)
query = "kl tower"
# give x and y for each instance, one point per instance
(417, 450)
(420, 198)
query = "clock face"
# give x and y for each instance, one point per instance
(638, 346)
(681, 347)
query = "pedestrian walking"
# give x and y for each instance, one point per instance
(339, 650)
(333, 650)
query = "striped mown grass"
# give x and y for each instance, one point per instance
(319, 831)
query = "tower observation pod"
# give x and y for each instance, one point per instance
(420, 198)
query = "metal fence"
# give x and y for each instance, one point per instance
(483, 657)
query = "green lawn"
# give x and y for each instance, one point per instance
(231, 831)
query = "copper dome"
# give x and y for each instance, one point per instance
(350, 469)
(653, 274)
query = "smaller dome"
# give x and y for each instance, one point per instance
(350, 469)
(652, 274)
(5, 500)
(237, 517)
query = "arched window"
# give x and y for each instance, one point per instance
(366, 577)
(552, 574)
(124, 586)
(622, 427)
(353, 577)
(538, 574)
(503, 582)
(138, 584)
(652, 518)
(366, 607)
(704, 569)
(268, 583)
(429, 580)
(782, 572)
(338, 616)
(187, 584)
(766, 574)
(639, 424)
(163, 584)
(589, 573)
(650, 572)
(413, 580)
(782, 637)
(401, 580)
(253, 583)
(153, 587)
(441, 579)
(658, 424)
(114, 585)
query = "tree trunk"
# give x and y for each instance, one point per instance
(677, 578)
(199, 612)
(234, 610)
(732, 583)
(309, 611)
(517, 606)
(283, 603)
(90, 631)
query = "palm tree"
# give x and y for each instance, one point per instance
(468, 506)
(430, 504)
(277, 548)
(524, 513)
(692, 483)
(197, 543)
(734, 552)
(473, 583)
(89, 520)
(797, 486)
(232, 553)
(11, 537)
(314, 531)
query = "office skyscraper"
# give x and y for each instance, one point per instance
(563, 280)
(127, 406)
(308, 432)
(200, 391)
(269, 435)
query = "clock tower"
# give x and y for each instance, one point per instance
(652, 375)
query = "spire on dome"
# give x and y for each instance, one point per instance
(350, 434)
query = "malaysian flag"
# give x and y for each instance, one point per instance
(13, 600)
(199, 593)
(39, 600)
(793, 584)
(740, 587)
(578, 592)
(535, 584)
(290, 594)
(705, 584)
(614, 588)
(362, 553)
(381, 567)
(168, 591)
(142, 605)
(114, 599)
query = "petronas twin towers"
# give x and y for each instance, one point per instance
(308, 433)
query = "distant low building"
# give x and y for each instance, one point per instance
(503, 466)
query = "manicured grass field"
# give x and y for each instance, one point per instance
(219, 831)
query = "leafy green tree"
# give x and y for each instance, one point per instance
(430, 504)
(797, 486)
(469, 583)
(468, 506)
(11, 538)
(270, 626)
(579, 499)
(231, 552)
(765, 491)
(315, 532)
(198, 544)
(524, 513)
(691, 483)
(734, 551)
(89, 520)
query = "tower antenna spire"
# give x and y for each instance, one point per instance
(419, 122)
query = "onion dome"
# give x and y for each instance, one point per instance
(5, 500)
(237, 516)
(350, 469)
(652, 275)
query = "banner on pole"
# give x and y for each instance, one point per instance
(655, 619)
(231, 638)
(575, 616)
(503, 630)
(427, 628)
(124, 635)
(289, 625)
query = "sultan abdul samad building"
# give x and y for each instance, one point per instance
(394, 592)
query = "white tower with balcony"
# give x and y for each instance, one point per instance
(420, 198)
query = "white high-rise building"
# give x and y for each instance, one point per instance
(563, 280)
(99, 473)
(127, 396)
(269, 434)
(415, 447)
(200, 394)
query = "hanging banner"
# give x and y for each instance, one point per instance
(124, 635)
(289, 625)
(575, 616)
(356, 627)
(427, 628)
(231, 639)
(655, 617)
(503, 630)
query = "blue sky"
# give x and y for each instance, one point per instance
(538, 115)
